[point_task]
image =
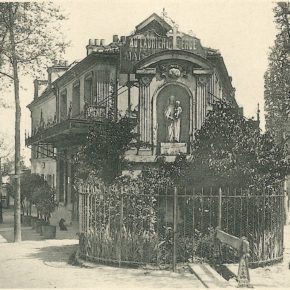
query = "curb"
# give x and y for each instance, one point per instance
(2, 240)
(208, 276)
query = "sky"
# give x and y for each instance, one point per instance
(242, 30)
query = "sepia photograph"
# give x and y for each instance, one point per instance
(144, 144)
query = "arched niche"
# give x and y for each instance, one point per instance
(161, 100)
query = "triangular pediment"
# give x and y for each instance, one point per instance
(155, 23)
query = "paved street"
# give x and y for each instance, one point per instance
(38, 263)
(43, 264)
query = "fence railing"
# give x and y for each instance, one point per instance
(178, 224)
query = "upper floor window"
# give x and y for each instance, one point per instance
(76, 100)
(102, 78)
(88, 89)
(63, 105)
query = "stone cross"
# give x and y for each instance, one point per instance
(175, 33)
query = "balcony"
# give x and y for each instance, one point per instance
(70, 130)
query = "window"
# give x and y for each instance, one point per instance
(88, 89)
(49, 179)
(76, 100)
(102, 86)
(63, 105)
(50, 150)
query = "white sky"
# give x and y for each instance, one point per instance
(242, 30)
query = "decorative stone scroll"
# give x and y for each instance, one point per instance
(145, 76)
(173, 71)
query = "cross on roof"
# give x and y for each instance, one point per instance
(175, 33)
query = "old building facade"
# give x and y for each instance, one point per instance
(163, 78)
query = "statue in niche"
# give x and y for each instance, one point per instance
(173, 114)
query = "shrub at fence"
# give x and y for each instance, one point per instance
(133, 222)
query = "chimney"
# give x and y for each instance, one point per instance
(39, 87)
(102, 42)
(56, 71)
(123, 39)
(92, 46)
(115, 38)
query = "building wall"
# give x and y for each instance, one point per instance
(45, 167)
(48, 108)
(94, 70)
(200, 89)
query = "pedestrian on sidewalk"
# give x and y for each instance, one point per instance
(1, 213)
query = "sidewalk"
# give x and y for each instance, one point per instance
(27, 233)
(39, 261)
(44, 264)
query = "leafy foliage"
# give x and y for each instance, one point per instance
(104, 149)
(37, 36)
(230, 150)
(277, 77)
(35, 190)
(30, 183)
(43, 197)
(30, 37)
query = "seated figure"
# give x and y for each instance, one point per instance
(61, 224)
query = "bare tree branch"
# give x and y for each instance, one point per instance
(6, 75)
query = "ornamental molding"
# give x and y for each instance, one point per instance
(203, 80)
(171, 72)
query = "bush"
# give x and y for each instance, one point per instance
(28, 184)
(44, 199)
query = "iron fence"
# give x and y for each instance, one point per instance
(178, 224)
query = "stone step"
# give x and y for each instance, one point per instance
(208, 276)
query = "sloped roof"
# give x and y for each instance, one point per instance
(151, 18)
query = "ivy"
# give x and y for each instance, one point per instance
(105, 146)
(277, 77)
(230, 150)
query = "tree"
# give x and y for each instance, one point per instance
(277, 76)
(230, 150)
(104, 148)
(4, 155)
(30, 38)
(29, 183)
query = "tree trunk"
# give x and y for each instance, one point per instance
(17, 200)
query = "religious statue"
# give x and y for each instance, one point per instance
(173, 113)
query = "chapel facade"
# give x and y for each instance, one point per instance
(162, 78)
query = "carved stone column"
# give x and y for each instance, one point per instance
(145, 77)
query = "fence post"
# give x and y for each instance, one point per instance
(243, 271)
(220, 209)
(285, 202)
(174, 227)
(120, 228)
(80, 196)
